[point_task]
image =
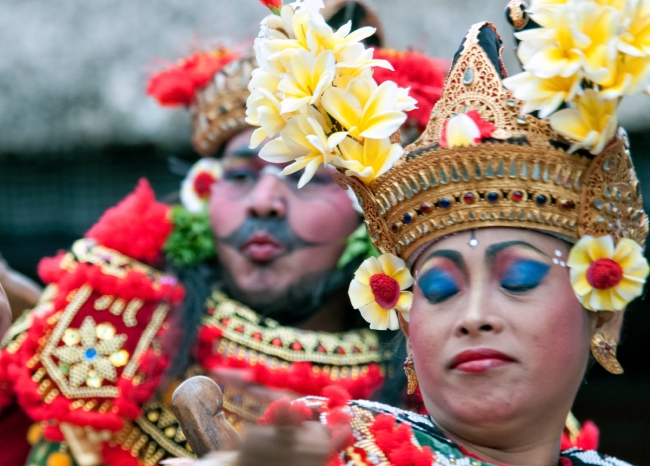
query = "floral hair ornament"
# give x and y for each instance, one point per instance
(587, 55)
(378, 291)
(465, 129)
(195, 188)
(315, 93)
(607, 277)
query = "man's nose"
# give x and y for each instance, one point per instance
(267, 198)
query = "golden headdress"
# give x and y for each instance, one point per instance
(521, 175)
(541, 150)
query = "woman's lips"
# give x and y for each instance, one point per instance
(479, 360)
(262, 247)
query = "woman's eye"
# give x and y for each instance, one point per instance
(437, 285)
(524, 276)
(239, 176)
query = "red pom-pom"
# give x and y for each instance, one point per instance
(336, 396)
(425, 76)
(386, 290)
(177, 85)
(284, 412)
(604, 274)
(587, 438)
(137, 227)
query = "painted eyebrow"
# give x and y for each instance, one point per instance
(244, 152)
(494, 249)
(455, 257)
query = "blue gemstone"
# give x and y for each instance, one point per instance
(541, 199)
(408, 218)
(445, 203)
(492, 197)
(90, 354)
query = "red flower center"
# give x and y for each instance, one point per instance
(385, 289)
(202, 184)
(604, 274)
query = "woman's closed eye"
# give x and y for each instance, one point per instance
(524, 275)
(438, 285)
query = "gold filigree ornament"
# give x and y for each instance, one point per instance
(523, 175)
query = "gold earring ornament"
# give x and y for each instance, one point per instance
(603, 347)
(411, 376)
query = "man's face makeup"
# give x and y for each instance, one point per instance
(504, 303)
(269, 233)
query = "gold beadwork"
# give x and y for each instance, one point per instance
(603, 347)
(243, 329)
(521, 177)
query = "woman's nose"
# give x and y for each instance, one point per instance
(480, 316)
(267, 199)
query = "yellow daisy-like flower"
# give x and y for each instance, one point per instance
(607, 277)
(378, 291)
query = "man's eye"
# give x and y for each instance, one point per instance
(437, 285)
(524, 276)
(239, 176)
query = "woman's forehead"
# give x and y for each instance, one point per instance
(477, 242)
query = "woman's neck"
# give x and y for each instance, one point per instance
(539, 449)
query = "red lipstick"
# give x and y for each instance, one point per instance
(262, 247)
(479, 360)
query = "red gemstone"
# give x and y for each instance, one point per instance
(356, 350)
(566, 205)
(517, 196)
(240, 329)
(425, 208)
(257, 336)
(340, 350)
(386, 290)
(604, 274)
(468, 198)
(608, 348)
(276, 342)
(203, 183)
(321, 349)
(296, 346)
(225, 321)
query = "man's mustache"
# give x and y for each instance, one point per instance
(278, 228)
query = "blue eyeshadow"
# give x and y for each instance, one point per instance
(437, 285)
(524, 275)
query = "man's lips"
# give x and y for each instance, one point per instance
(262, 247)
(479, 360)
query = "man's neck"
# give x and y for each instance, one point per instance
(333, 317)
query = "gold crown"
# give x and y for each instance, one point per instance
(523, 176)
(219, 109)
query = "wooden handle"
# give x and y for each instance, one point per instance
(198, 405)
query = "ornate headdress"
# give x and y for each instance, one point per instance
(488, 159)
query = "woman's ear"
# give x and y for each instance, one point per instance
(610, 321)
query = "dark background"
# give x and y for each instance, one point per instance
(49, 200)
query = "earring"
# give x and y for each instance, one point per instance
(603, 347)
(411, 376)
